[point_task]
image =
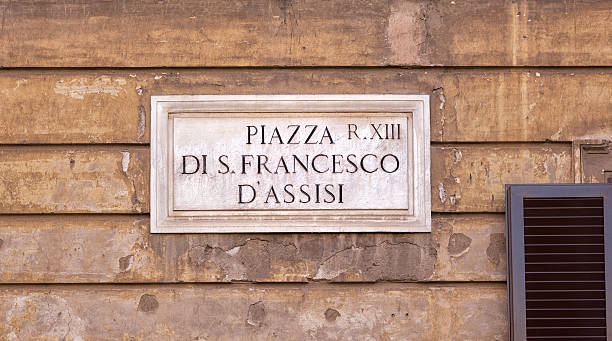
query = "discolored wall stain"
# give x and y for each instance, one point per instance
(509, 93)
(458, 244)
(331, 314)
(148, 303)
(496, 251)
(125, 263)
(256, 314)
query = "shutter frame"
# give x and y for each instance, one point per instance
(515, 245)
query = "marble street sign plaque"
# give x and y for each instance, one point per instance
(303, 163)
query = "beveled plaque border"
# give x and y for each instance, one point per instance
(164, 219)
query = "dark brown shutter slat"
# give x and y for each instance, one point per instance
(564, 277)
(556, 331)
(574, 313)
(561, 249)
(564, 230)
(564, 240)
(565, 286)
(564, 268)
(565, 258)
(563, 221)
(570, 322)
(557, 303)
(569, 338)
(570, 211)
(566, 295)
(562, 202)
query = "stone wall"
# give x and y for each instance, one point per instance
(512, 84)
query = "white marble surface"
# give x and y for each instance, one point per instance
(253, 162)
(323, 163)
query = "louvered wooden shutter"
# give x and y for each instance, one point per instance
(559, 242)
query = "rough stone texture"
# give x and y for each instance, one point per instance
(74, 179)
(482, 259)
(465, 178)
(194, 33)
(65, 107)
(296, 33)
(86, 249)
(528, 105)
(255, 312)
(70, 249)
(471, 177)
(466, 104)
(43, 241)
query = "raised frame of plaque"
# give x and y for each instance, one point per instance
(290, 163)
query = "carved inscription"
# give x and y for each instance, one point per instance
(279, 162)
(290, 163)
